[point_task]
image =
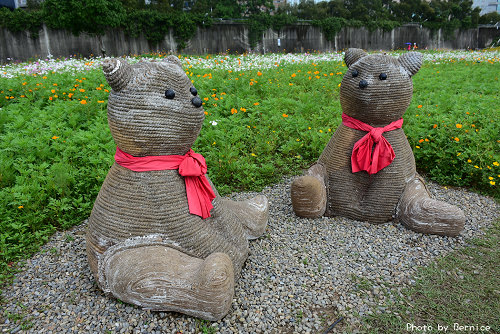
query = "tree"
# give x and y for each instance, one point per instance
(89, 16)
(131, 5)
(227, 9)
(490, 18)
(254, 7)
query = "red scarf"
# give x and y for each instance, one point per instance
(191, 165)
(362, 157)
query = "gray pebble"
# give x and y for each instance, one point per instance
(299, 278)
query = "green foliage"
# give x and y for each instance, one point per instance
(77, 16)
(257, 24)
(449, 125)
(330, 26)
(21, 20)
(490, 18)
(157, 19)
(185, 26)
(56, 148)
(153, 24)
(156, 25)
(54, 156)
(281, 20)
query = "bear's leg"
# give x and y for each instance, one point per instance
(161, 278)
(309, 193)
(420, 213)
(253, 214)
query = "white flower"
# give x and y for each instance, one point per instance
(214, 123)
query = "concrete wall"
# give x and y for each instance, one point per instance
(233, 37)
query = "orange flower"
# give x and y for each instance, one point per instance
(259, 73)
(294, 75)
(256, 104)
(55, 137)
(82, 90)
(53, 91)
(285, 115)
(83, 101)
(457, 139)
(434, 126)
(421, 140)
(243, 109)
(205, 98)
(20, 207)
(50, 98)
(70, 95)
(234, 111)
(100, 101)
(459, 126)
(419, 106)
(251, 83)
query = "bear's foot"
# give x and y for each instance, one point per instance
(420, 213)
(161, 278)
(308, 193)
(252, 213)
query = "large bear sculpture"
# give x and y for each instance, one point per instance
(159, 236)
(367, 171)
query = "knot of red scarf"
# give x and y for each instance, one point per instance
(364, 155)
(191, 165)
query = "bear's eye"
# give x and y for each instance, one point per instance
(355, 73)
(193, 91)
(169, 94)
(382, 76)
(196, 101)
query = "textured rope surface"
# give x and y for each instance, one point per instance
(144, 122)
(378, 102)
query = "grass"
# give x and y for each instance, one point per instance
(270, 119)
(461, 288)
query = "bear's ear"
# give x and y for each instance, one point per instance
(411, 62)
(353, 55)
(117, 72)
(174, 60)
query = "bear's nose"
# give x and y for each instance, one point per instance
(363, 84)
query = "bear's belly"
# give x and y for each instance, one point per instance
(359, 195)
(132, 204)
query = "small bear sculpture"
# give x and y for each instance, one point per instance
(367, 171)
(159, 236)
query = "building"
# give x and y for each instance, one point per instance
(279, 3)
(487, 6)
(13, 4)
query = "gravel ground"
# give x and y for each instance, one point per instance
(299, 278)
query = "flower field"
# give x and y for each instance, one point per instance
(266, 116)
